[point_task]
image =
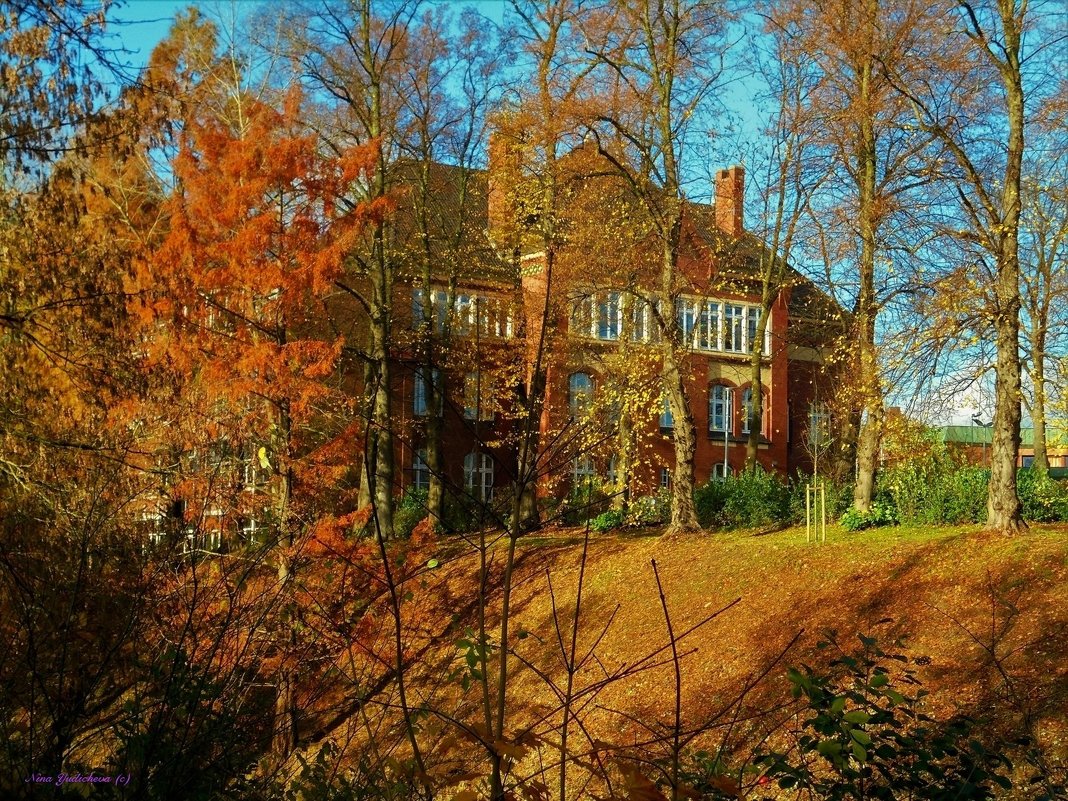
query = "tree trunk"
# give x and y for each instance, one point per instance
(1003, 503)
(1038, 407)
(870, 394)
(683, 511)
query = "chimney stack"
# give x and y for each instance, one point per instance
(730, 195)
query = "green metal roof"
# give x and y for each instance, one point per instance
(978, 435)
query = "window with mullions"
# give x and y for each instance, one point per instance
(579, 394)
(419, 391)
(420, 471)
(720, 412)
(747, 407)
(667, 419)
(582, 471)
(478, 476)
(475, 398)
(609, 315)
(733, 328)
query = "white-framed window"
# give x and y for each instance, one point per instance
(252, 531)
(475, 397)
(597, 315)
(489, 315)
(478, 476)
(665, 478)
(420, 470)
(641, 322)
(733, 328)
(613, 470)
(582, 470)
(667, 419)
(609, 315)
(819, 425)
(720, 408)
(710, 325)
(747, 411)
(720, 471)
(419, 391)
(579, 394)
(752, 320)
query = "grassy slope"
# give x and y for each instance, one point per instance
(932, 583)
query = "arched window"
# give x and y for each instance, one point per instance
(478, 476)
(720, 409)
(579, 394)
(747, 408)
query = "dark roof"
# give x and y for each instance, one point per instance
(455, 206)
(740, 260)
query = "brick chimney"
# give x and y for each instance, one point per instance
(730, 195)
(503, 169)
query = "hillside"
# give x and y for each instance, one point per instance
(947, 594)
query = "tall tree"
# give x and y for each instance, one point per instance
(863, 125)
(255, 237)
(351, 56)
(973, 103)
(658, 65)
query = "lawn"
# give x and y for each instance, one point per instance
(984, 617)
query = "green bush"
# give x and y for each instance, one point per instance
(650, 510)
(839, 498)
(410, 509)
(749, 499)
(585, 501)
(709, 500)
(1044, 500)
(862, 737)
(882, 513)
(935, 489)
(606, 521)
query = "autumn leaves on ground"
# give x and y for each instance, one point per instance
(982, 619)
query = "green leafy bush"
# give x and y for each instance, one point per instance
(752, 498)
(882, 513)
(839, 498)
(411, 509)
(935, 489)
(1044, 500)
(864, 738)
(585, 501)
(606, 521)
(650, 510)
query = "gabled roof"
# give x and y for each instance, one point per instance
(455, 208)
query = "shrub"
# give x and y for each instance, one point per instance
(752, 498)
(650, 510)
(882, 513)
(587, 500)
(863, 738)
(709, 500)
(935, 489)
(411, 509)
(839, 498)
(606, 521)
(1044, 500)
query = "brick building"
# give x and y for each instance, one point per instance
(602, 333)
